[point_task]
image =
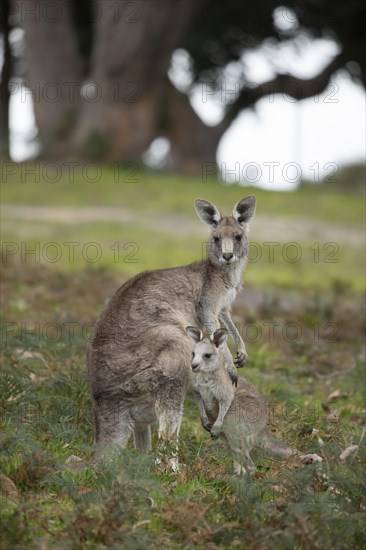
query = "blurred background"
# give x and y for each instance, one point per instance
(174, 84)
(115, 116)
(145, 105)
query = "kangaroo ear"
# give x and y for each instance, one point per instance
(219, 337)
(244, 210)
(207, 212)
(195, 334)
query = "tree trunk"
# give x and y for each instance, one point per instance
(54, 70)
(193, 144)
(4, 85)
(134, 43)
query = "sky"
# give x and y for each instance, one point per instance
(277, 142)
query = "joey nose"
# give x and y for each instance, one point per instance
(227, 256)
(194, 366)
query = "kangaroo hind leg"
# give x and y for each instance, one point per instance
(243, 464)
(113, 425)
(142, 438)
(169, 410)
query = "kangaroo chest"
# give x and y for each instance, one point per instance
(227, 298)
(210, 401)
(231, 286)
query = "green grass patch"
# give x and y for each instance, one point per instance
(303, 322)
(315, 400)
(161, 229)
(92, 185)
(130, 249)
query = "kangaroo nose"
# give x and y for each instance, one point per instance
(227, 256)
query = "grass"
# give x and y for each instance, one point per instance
(43, 184)
(163, 231)
(315, 400)
(129, 250)
(304, 327)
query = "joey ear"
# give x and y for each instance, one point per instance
(244, 210)
(219, 337)
(195, 334)
(207, 212)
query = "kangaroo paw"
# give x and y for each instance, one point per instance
(207, 426)
(233, 378)
(240, 359)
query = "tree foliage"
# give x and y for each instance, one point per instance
(125, 48)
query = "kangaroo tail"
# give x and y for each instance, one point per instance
(275, 447)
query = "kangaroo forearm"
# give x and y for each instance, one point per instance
(227, 321)
(211, 323)
(223, 408)
(200, 405)
(207, 318)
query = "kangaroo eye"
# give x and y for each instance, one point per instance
(208, 355)
(216, 239)
(193, 356)
(238, 238)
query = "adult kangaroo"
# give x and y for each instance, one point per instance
(139, 355)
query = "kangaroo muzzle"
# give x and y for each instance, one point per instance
(194, 366)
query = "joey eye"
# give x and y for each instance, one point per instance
(216, 239)
(208, 355)
(238, 238)
(193, 355)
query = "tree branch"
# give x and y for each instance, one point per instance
(286, 84)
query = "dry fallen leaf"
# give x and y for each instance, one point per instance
(333, 395)
(336, 394)
(72, 459)
(23, 354)
(347, 452)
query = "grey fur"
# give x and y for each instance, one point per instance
(139, 354)
(238, 416)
